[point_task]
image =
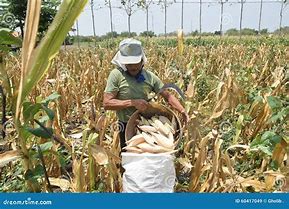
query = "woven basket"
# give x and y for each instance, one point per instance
(153, 109)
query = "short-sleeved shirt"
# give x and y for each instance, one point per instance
(127, 88)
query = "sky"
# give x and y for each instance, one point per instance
(210, 17)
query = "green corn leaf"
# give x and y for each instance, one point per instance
(267, 142)
(49, 46)
(4, 48)
(44, 119)
(49, 112)
(29, 110)
(274, 103)
(40, 132)
(46, 146)
(50, 98)
(34, 174)
(6, 38)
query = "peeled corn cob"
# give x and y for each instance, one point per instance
(171, 137)
(163, 141)
(161, 127)
(145, 147)
(164, 120)
(148, 138)
(135, 140)
(144, 121)
(154, 135)
(133, 149)
(147, 128)
(169, 126)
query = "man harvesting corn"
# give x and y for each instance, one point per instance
(129, 85)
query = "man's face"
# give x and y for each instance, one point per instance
(134, 69)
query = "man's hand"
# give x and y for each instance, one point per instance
(174, 102)
(185, 116)
(140, 104)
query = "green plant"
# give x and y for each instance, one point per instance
(35, 63)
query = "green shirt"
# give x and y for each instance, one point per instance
(127, 88)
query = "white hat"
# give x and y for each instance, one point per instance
(130, 52)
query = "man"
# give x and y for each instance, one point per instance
(129, 85)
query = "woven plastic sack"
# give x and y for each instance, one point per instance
(148, 173)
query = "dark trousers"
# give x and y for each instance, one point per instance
(122, 127)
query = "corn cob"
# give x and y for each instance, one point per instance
(145, 147)
(171, 137)
(167, 122)
(160, 149)
(150, 122)
(148, 138)
(144, 121)
(133, 149)
(163, 141)
(147, 128)
(135, 140)
(169, 126)
(164, 120)
(160, 126)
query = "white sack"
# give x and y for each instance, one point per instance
(148, 172)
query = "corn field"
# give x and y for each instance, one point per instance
(56, 137)
(236, 141)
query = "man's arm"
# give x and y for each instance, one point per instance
(111, 103)
(174, 102)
